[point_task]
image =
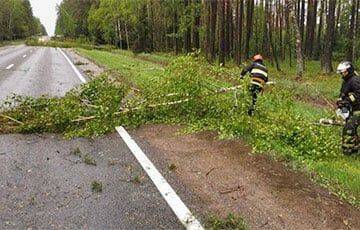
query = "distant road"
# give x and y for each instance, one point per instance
(35, 71)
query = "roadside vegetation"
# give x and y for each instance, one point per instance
(11, 43)
(230, 222)
(18, 22)
(192, 92)
(67, 43)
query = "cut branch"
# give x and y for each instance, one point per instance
(12, 119)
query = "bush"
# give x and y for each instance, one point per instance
(99, 99)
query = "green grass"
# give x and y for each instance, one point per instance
(230, 222)
(141, 72)
(283, 125)
(157, 58)
(339, 173)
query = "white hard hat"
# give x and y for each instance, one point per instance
(344, 66)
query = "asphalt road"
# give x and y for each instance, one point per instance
(44, 185)
(31, 71)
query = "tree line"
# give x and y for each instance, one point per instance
(17, 20)
(223, 30)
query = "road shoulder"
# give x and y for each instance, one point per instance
(226, 178)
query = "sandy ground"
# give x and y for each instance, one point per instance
(228, 179)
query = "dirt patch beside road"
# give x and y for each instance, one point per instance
(84, 64)
(228, 179)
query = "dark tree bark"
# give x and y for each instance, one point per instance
(143, 41)
(187, 35)
(337, 15)
(207, 19)
(288, 33)
(196, 27)
(228, 22)
(358, 15)
(238, 29)
(310, 29)
(232, 28)
(302, 19)
(350, 42)
(222, 45)
(298, 8)
(241, 15)
(300, 66)
(213, 29)
(357, 29)
(265, 41)
(328, 46)
(176, 29)
(280, 17)
(270, 35)
(249, 25)
(320, 29)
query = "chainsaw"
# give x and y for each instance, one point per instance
(329, 122)
(341, 113)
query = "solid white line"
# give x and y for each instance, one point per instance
(79, 75)
(173, 200)
(10, 66)
(24, 56)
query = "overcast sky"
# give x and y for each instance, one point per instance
(46, 11)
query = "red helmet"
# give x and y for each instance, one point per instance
(257, 57)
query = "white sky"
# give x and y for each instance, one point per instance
(46, 11)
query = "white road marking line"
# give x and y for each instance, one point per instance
(24, 56)
(79, 75)
(10, 66)
(173, 200)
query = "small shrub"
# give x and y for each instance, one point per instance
(76, 152)
(96, 186)
(87, 159)
(230, 222)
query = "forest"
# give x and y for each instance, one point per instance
(17, 20)
(228, 30)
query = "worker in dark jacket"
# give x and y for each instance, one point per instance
(349, 107)
(259, 77)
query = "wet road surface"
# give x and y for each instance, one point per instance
(44, 185)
